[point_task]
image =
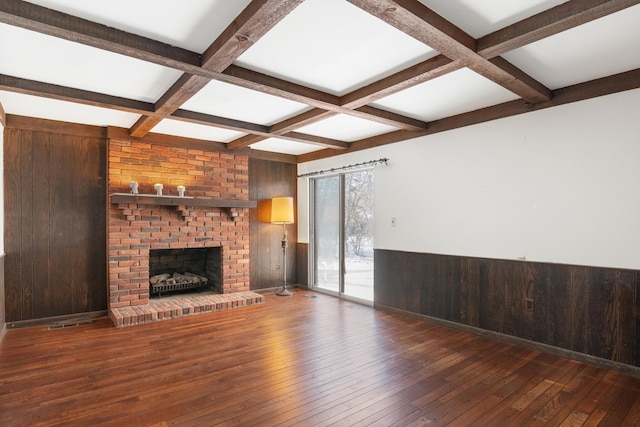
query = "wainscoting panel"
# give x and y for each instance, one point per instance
(589, 310)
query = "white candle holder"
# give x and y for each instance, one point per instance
(134, 187)
(158, 188)
(181, 190)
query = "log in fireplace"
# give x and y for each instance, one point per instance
(184, 270)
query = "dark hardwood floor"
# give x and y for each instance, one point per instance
(310, 359)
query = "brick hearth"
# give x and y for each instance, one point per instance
(175, 307)
(135, 229)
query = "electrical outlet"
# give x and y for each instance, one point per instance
(528, 304)
(278, 267)
(394, 222)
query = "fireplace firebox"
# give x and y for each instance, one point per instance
(183, 270)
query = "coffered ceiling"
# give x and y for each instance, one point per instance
(309, 78)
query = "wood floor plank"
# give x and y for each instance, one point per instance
(297, 361)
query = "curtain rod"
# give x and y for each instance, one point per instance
(348, 167)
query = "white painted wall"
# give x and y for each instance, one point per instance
(560, 185)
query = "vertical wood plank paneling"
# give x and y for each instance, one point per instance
(560, 309)
(470, 291)
(26, 232)
(61, 232)
(3, 314)
(12, 224)
(636, 304)
(55, 242)
(543, 295)
(302, 264)
(494, 312)
(97, 242)
(623, 322)
(590, 310)
(269, 179)
(40, 169)
(578, 307)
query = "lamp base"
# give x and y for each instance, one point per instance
(284, 292)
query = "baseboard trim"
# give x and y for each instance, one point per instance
(55, 319)
(545, 348)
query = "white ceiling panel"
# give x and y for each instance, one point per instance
(452, 94)
(328, 45)
(479, 18)
(277, 145)
(346, 128)
(235, 102)
(193, 25)
(52, 60)
(194, 130)
(333, 46)
(43, 108)
(597, 49)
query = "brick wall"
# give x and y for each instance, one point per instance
(136, 229)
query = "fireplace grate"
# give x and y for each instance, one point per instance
(177, 282)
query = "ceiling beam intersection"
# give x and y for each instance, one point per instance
(423, 24)
(252, 23)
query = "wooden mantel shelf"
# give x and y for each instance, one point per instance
(182, 204)
(152, 199)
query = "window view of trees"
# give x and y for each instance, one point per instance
(359, 214)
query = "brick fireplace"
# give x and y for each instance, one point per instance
(138, 225)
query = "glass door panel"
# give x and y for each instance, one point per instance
(327, 233)
(343, 234)
(358, 234)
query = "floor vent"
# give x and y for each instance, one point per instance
(70, 324)
(311, 296)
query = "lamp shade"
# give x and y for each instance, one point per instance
(282, 210)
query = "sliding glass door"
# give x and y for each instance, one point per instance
(342, 225)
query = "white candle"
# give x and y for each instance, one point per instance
(158, 188)
(181, 190)
(134, 187)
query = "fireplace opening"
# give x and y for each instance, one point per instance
(184, 270)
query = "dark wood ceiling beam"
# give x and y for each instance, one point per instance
(78, 96)
(304, 119)
(245, 141)
(409, 77)
(421, 23)
(544, 24)
(261, 82)
(289, 125)
(264, 83)
(248, 27)
(3, 116)
(47, 21)
(315, 140)
(220, 122)
(258, 132)
(616, 83)
(252, 23)
(63, 93)
(61, 25)
(183, 89)
(286, 128)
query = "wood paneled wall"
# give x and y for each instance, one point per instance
(269, 179)
(55, 220)
(2, 297)
(590, 310)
